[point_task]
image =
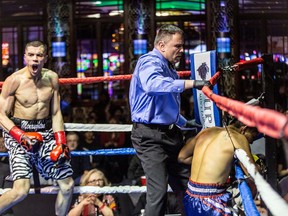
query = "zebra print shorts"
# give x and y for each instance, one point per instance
(21, 161)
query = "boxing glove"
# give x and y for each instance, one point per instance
(31, 141)
(61, 152)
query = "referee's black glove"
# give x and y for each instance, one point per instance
(192, 124)
(198, 84)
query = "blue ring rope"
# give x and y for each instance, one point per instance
(247, 199)
(118, 151)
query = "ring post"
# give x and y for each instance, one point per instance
(268, 83)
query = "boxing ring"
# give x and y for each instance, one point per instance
(254, 116)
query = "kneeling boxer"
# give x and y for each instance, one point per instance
(211, 155)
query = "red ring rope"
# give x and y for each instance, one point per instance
(89, 80)
(267, 121)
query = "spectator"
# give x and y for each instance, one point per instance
(100, 106)
(92, 117)
(135, 171)
(114, 110)
(79, 115)
(112, 139)
(80, 164)
(115, 166)
(91, 142)
(94, 204)
(263, 211)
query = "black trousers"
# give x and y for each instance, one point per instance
(158, 147)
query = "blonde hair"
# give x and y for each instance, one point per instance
(85, 177)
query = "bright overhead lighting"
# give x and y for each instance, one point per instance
(94, 15)
(162, 13)
(116, 12)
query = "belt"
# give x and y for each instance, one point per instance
(33, 125)
(154, 126)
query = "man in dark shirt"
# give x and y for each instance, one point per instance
(80, 164)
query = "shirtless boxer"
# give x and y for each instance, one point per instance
(211, 153)
(34, 130)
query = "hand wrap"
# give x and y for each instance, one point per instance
(31, 141)
(61, 152)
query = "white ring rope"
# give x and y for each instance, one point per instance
(98, 127)
(92, 189)
(104, 127)
(275, 203)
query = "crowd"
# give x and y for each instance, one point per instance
(165, 156)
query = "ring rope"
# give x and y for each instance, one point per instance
(272, 199)
(248, 202)
(234, 68)
(91, 80)
(116, 151)
(92, 189)
(246, 64)
(98, 127)
(264, 120)
(265, 125)
(253, 116)
(274, 202)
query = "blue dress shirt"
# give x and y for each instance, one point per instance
(154, 93)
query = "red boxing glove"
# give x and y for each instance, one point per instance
(31, 141)
(61, 152)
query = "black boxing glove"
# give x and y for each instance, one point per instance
(31, 141)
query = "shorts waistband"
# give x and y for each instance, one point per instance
(205, 189)
(33, 125)
(154, 126)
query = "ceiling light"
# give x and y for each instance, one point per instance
(97, 15)
(116, 12)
